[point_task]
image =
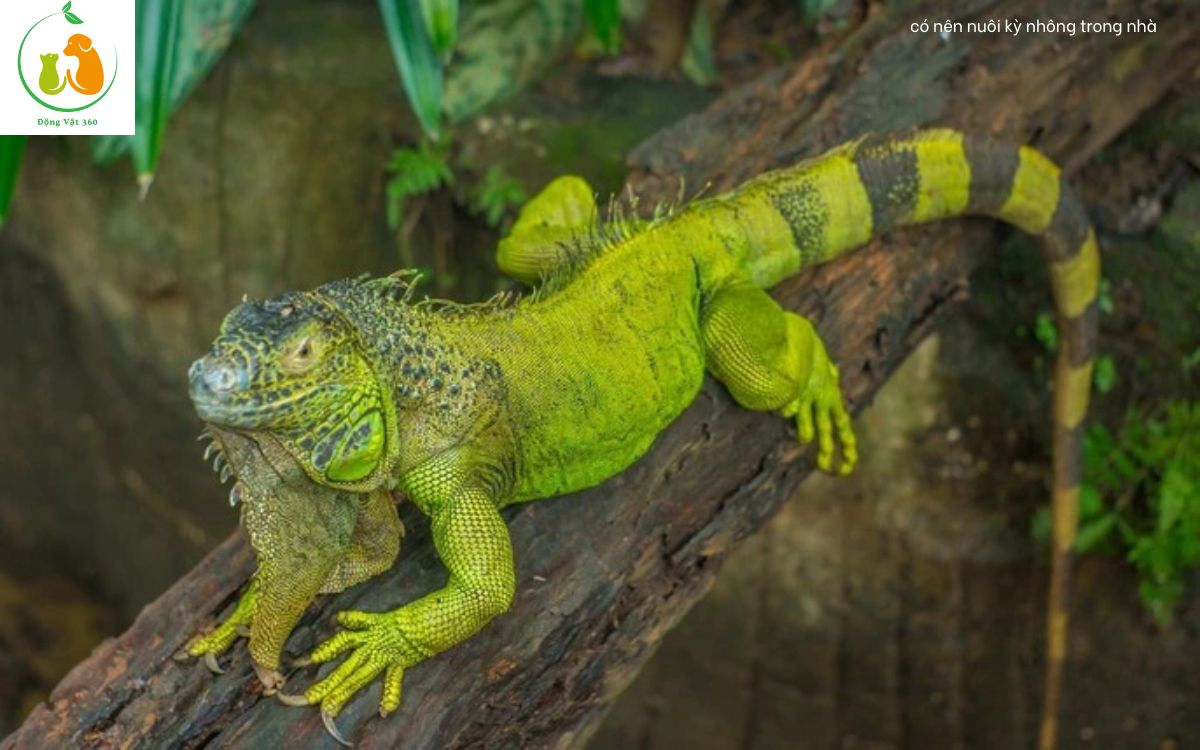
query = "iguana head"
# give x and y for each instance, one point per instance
(294, 366)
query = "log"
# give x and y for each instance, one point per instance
(604, 573)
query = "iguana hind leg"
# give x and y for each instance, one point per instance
(773, 360)
(539, 241)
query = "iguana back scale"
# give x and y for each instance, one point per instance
(467, 409)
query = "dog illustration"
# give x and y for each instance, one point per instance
(89, 76)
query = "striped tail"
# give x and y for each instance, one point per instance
(836, 202)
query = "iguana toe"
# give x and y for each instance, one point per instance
(292, 700)
(271, 679)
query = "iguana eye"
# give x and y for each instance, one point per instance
(300, 356)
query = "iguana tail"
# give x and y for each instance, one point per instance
(836, 202)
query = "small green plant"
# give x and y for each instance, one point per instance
(604, 17)
(1190, 361)
(496, 193)
(1045, 331)
(1104, 377)
(414, 171)
(1141, 495)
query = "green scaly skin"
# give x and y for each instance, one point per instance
(466, 409)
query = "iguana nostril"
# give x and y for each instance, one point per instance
(221, 378)
(214, 375)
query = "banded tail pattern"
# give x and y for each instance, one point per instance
(838, 201)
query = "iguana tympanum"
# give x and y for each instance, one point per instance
(328, 400)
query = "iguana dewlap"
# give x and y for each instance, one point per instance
(467, 409)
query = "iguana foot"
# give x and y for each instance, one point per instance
(821, 413)
(772, 359)
(220, 638)
(379, 646)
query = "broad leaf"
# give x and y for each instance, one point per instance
(12, 148)
(205, 33)
(441, 23)
(417, 62)
(604, 16)
(1094, 532)
(159, 23)
(503, 46)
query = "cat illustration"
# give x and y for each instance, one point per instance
(48, 80)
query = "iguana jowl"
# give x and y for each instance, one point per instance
(466, 409)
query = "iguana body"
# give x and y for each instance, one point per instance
(468, 409)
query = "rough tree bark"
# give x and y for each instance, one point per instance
(604, 573)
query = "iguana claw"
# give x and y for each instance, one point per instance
(331, 727)
(210, 661)
(326, 717)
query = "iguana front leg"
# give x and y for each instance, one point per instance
(473, 543)
(300, 532)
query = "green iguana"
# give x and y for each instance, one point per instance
(340, 395)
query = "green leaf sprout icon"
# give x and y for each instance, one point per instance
(66, 9)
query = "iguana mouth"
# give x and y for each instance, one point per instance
(217, 411)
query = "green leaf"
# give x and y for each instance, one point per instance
(1091, 504)
(1105, 375)
(497, 193)
(1160, 598)
(699, 61)
(441, 23)
(1041, 525)
(1094, 532)
(1045, 331)
(73, 18)
(1104, 298)
(1176, 491)
(416, 60)
(158, 31)
(206, 30)
(12, 148)
(813, 9)
(66, 7)
(604, 17)
(503, 46)
(1190, 361)
(414, 171)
